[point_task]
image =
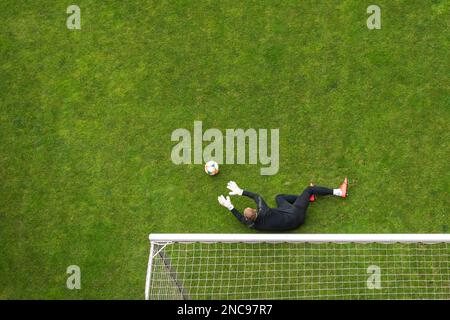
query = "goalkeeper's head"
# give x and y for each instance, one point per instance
(250, 214)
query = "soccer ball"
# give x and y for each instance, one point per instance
(211, 168)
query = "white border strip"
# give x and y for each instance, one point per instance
(311, 238)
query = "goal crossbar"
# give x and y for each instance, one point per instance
(310, 238)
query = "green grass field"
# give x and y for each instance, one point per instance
(86, 118)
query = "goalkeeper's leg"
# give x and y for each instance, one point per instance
(303, 200)
(285, 199)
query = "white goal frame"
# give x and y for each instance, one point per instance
(158, 239)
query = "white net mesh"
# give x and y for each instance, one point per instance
(299, 271)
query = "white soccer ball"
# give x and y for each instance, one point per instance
(212, 168)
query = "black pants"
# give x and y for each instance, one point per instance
(301, 201)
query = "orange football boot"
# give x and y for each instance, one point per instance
(344, 188)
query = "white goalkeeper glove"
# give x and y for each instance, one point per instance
(235, 190)
(226, 202)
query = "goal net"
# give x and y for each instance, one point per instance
(298, 266)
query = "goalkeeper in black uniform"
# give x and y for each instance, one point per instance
(290, 211)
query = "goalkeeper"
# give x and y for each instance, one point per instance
(290, 211)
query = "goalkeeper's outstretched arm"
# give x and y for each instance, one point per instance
(241, 218)
(235, 190)
(250, 214)
(260, 203)
(226, 202)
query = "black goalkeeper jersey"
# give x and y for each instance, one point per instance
(272, 219)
